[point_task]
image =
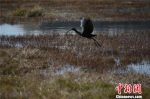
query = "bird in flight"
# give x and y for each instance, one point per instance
(87, 29)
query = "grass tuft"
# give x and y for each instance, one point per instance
(36, 11)
(22, 11)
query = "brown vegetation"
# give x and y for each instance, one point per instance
(129, 47)
(30, 65)
(73, 10)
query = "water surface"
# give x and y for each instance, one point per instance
(63, 26)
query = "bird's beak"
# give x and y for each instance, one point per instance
(68, 31)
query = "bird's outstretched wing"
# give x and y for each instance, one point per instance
(83, 21)
(87, 26)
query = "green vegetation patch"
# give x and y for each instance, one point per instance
(20, 87)
(28, 12)
(19, 12)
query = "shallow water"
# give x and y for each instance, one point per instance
(63, 26)
(142, 68)
(59, 70)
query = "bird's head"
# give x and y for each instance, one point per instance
(73, 29)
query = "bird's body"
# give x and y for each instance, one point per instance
(87, 29)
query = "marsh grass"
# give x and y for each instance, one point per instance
(23, 60)
(128, 48)
(58, 87)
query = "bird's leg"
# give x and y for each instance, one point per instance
(96, 43)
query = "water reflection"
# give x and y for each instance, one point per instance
(62, 26)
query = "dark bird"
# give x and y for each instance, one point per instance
(87, 29)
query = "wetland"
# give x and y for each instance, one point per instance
(38, 59)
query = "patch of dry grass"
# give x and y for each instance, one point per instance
(129, 47)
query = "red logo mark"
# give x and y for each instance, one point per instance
(128, 88)
(118, 88)
(137, 88)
